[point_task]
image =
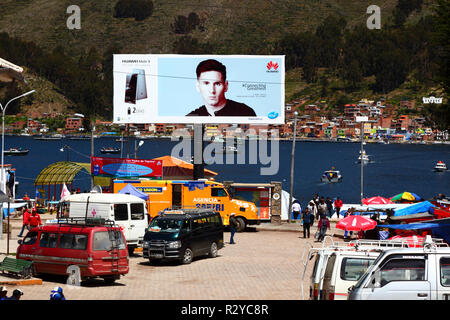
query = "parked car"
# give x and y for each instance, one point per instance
(97, 248)
(183, 234)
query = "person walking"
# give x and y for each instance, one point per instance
(17, 294)
(322, 227)
(57, 294)
(233, 226)
(312, 210)
(25, 224)
(321, 208)
(307, 219)
(329, 203)
(338, 205)
(3, 293)
(35, 219)
(296, 209)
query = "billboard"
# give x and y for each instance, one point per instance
(154, 88)
(124, 167)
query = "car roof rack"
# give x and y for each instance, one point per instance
(83, 222)
(187, 211)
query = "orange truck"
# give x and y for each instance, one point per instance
(193, 194)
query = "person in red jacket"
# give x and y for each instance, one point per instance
(34, 220)
(338, 205)
(25, 217)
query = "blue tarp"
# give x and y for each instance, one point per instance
(129, 189)
(411, 226)
(419, 207)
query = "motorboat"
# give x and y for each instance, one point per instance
(110, 150)
(15, 152)
(331, 176)
(440, 166)
(229, 149)
(363, 157)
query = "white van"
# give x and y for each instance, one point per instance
(128, 211)
(406, 274)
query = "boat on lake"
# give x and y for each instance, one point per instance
(49, 137)
(363, 157)
(440, 166)
(331, 176)
(15, 152)
(110, 150)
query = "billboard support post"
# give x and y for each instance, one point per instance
(198, 172)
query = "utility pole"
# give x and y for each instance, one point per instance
(198, 172)
(291, 191)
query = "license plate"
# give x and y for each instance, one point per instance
(156, 255)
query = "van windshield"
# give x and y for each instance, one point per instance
(166, 225)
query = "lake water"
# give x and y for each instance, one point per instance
(395, 167)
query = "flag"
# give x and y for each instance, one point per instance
(64, 192)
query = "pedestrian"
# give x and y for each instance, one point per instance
(233, 226)
(17, 294)
(329, 203)
(312, 210)
(316, 199)
(35, 219)
(3, 292)
(322, 227)
(25, 218)
(349, 212)
(338, 205)
(321, 208)
(307, 219)
(296, 209)
(57, 294)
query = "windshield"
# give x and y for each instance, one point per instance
(165, 225)
(369, 271)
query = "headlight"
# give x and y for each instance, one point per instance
(174, 244)
(145, 244)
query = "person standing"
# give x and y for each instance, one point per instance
(322, 227)
(35, 219)
(17, 294)
(312, 210)
(321, 208)
(329, 203)
(25, 218)
(307, 219)
(338, 205)
(3, 292)
(233, 227)
(296, 209)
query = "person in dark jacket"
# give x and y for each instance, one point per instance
(308, 218)
(233, 227)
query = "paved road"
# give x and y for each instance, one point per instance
(262, 265)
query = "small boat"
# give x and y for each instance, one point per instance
(331, 176)
(440, 166)
(364, 157)
(229, 149)
(15, 152)
(110, 150)
(49, 137)
(121, 140)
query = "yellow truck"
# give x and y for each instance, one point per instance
(193, 194)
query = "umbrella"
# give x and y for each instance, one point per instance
(409, 196)
(356, 223)
(413, 241)
(376, 200)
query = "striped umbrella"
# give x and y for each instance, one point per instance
(356, 223)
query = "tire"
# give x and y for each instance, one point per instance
(130, 251)
(188, 256)
(241, 224)
(109, 280)
(213, 250)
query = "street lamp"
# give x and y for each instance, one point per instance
(3, 185)
(292, 167)
(137, 148)
(65, 148)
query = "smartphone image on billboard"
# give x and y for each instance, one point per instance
(135, 88)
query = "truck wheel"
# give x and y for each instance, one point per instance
(130, 251)
(213, 250)
(188, 256)
(241, 224)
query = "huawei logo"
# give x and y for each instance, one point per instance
(272, 67)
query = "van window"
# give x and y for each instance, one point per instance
(165, 225)
(48, 240)
(218, 192)
(121, 212)
(402, 270)
(73, 241)
(353, 268)
(214, 220)
(137, 211)
(30, 238)
(103, 240)
(445, 271)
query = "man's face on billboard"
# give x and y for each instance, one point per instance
(211, 86)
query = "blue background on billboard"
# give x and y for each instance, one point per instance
(177, 94)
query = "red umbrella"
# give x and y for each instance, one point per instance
(413, 241)
(376, 200)
(356, 223)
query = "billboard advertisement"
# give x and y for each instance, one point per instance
(124, 167)
(154, 88)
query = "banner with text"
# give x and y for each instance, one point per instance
(124, 167)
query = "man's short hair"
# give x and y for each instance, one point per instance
(211, 65)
